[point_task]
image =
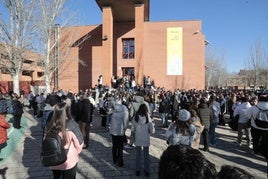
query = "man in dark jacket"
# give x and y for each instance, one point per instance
(3, 104)
(83, 116)
(18, 111)
(205, 116)
(164, 110)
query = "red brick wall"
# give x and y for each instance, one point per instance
(152, 51)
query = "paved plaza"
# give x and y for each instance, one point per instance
(96, 162)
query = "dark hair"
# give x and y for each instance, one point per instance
(184, 162)
(263, 98)
(228, 171)
(142, 111)
(244, 99)
(54, 99)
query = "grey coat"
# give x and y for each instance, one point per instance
(204, 114)
(119, 121)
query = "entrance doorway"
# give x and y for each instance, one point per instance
(128, 71)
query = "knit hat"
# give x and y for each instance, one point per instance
(184, 115)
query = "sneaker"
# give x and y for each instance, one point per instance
(127, 146)
(257, 154)
(213, 145)
(147, 174)
(138, 173)
(239, 143)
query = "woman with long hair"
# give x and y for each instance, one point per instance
(57, 125)
(181, 131)
(199, 128)
(142, 128)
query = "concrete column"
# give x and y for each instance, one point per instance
(107, 45)
(139, 28)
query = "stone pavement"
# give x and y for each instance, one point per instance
(96, 161)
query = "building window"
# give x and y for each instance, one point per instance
(128, 49)
(40, 74)
(27, 61)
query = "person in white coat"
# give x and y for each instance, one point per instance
(181, 131)
(118, 126)
(259, 115)
(243, 121)
(142, 128)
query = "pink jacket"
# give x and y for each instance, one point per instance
(72, 156)
(3, 129)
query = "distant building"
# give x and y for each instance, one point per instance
(245, 79)
(172, 53)
(32, 74)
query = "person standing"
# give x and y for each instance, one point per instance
(164, 110)
(57, 125)
(181, 131)
(100, 82)
(17, 111)
(83, 111)
(222, 102)
(3, 104)
(3, 132)
(119, 124)
(31, 99)
(40, 100)
(199, 128)
(215, 110)
(142, 128)
(259, 125)
(243, 120)
(205, 115)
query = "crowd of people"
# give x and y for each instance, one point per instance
(188, 116)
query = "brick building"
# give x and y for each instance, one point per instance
(32, 74)
(172, 53)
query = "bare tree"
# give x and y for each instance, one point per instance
(15, 36)
(46, 16)
(256, 63)
(56, 39)
(216, 75)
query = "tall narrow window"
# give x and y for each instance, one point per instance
(128, 48)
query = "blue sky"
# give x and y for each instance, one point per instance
(231, 26)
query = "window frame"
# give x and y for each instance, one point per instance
(128, 48)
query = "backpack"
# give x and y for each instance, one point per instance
(261, 119)
(53, 152)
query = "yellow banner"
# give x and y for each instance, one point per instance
(174, 51)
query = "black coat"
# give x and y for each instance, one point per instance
(83, 110)
(17, 107)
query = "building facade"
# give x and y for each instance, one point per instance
(172, 53)
(32, 74)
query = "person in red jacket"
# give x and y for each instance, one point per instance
(3, 132)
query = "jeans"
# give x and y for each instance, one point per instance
(205, 138)
(84, 127)
(243, 127)
(260, 144)
(108, 120)
(66, 174)
(152, 107)
(145, 157)
(212, 133)
(117, 150)
(164, 119)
